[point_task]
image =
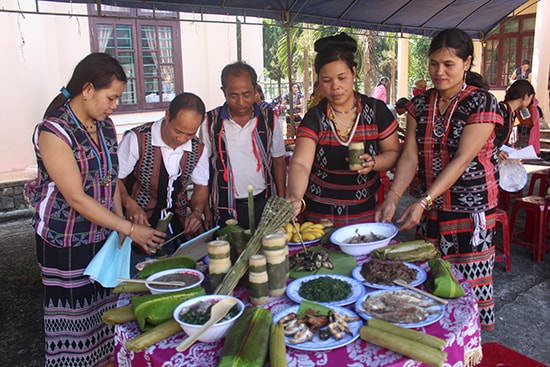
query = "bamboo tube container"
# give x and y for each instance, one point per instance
(258, 280)
(275, 249)
(219, 261)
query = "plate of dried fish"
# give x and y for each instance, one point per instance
(401, 307)
(330, 290)
(319, 333)
(380, 274)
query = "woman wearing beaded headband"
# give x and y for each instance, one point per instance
(77, 208)
(450, 140)
(319, 170)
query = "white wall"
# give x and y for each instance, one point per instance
(40, 51)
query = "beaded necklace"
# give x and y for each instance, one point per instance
(440, 130)
(105, 176)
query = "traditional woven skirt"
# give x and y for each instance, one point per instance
(340, 215)
(466, 241)
(73, 305)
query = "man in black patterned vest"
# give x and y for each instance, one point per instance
(246, 148)
(158, 161)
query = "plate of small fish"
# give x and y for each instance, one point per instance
(326, 289)
(419, 277)
(401, 307)
(319, 333)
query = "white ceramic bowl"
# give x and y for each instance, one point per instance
(155, 289)
(342, 236)
(218, 330)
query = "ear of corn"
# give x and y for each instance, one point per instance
(411, 251)
(277, 347)
(410, 334)
(152, 310)
(156, 334)
(118, 315)
(407, 347)
(247, 342)
(167, 263)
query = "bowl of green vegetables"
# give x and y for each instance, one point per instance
(195, 312)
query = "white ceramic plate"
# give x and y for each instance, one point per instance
(513, 176)
(432, 318)
(317, 344)
(420, 277)
(305, 242)
(357, 289)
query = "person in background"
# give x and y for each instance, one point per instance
(319, 178)
(260, 97)
(522, 72)
(398, 108)
(158, 161)
(298, 101)
(450, 139)
(380, 90)
(419, 87)
(77, 207)
(246, 148)
(316, 96)
(518, 96)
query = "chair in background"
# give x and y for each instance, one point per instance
(502, 219)
(536, 222)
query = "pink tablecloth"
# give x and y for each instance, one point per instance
(459, 326)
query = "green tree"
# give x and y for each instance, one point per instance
(418, 58)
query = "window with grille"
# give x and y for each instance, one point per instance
(505, 48)
(149, 51)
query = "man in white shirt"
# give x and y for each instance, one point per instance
(157, 162)
(246, 149)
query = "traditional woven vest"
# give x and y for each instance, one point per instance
(147, 184)
(222, 186)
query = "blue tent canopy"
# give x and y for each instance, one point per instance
(425, 17)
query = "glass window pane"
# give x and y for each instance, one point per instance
(124, 37)
(165, 45)
(168, 83)
(129, 96)
(152, 94)
(512, 26)
(528, 24)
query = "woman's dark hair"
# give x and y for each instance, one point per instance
(401, 102)
(463, 47)
(186, 101)
(334, 48)
(237, 69)
(99, 69)
(519, 89)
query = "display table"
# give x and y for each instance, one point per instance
(459, 327)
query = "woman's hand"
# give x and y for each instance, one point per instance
(298, 204)
(369, 162)
(146, 237)
(502, 155)
(385, 212)
(411, 217)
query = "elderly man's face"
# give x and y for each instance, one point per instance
(178, 130)
(239, 95)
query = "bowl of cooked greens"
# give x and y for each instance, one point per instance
(195, 312)
(362, 238)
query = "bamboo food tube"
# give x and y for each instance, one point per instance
(275, 250)
(219, 261)
(355, 149)
(258, 282)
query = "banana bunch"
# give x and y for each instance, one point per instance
(308, 230)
